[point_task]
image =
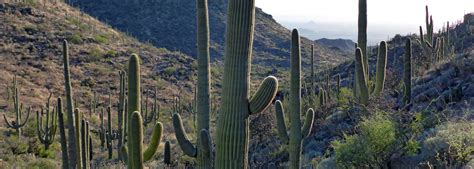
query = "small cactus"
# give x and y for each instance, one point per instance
(18, 108)
(46, 132)
(407, 73)
(297, 131)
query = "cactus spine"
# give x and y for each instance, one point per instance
(73, 134)
(62, 134)
(17, 124)
(46, 132)
(204, 160)
(407, 73)
(381, 66)
(136, 156)
(297, 131)
(232, 125)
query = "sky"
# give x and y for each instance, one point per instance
(401, 15)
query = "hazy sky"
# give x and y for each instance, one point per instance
(387, 12)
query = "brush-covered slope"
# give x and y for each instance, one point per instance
(171, 24)
(30, 47)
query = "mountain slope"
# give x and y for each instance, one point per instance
(344, 45)
(171, 24)
(30, 47)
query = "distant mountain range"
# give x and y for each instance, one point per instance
(344, 45)
(171, 24)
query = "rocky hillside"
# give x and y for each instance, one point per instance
(30, 47)
(172, 24)
(344, 45)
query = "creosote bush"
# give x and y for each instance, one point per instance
(371, 147)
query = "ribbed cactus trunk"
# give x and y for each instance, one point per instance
(120, 114)
(362, 34)
(381, 66)
(361, 83)
(232, 125)
(313, 78)
(74, 147)
(62, 135)
(109, 132)
(203, 91)
(407, 73)
(135, 124)
(295, 102)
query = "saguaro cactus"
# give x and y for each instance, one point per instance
(361, 83)
(381, 65)
(204, 160)
(62, 134)
(167, 159)
(18, 107)
(136, 157)
(407, 73)
(120, 113)
(74, 147)
(109, 134)
(46, 132)
(297, 132)
(362, 34)
(232, 125)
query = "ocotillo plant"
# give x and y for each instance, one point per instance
(236, 106)
(73, 135)
(202, 95)
(381, 66)
(297, 131)
(136, 157)
(46, 132)
(407, 73)
(18, 108)
(62, 134)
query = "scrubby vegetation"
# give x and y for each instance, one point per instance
(80, 94)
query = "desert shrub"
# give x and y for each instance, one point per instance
(371, 147)
(16, 145)
(345, 95)
(452, 141)
(101, 39)
(170, 71)
(75, 39)
(41, 163)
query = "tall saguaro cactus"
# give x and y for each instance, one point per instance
(407, 72)
(362, 34)
(121, 112)
(18, 107)
(381, 66)
(62, 135)
(297, 132)
(204, 160)
(46, 132)
(134, 156)
(232, 125)
(74, 147)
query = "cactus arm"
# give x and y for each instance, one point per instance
(206, 143)
(154, 142)
(183, 141)
(308, 123)
(361, 78)
(167, 153)
(26, 119)
(264, 95)
(9, 125)
(281, 125)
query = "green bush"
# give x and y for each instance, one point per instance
(75, 39)
(371, 147)
(41, 163)
(102, 39)
(345, 95)
(459, 136)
